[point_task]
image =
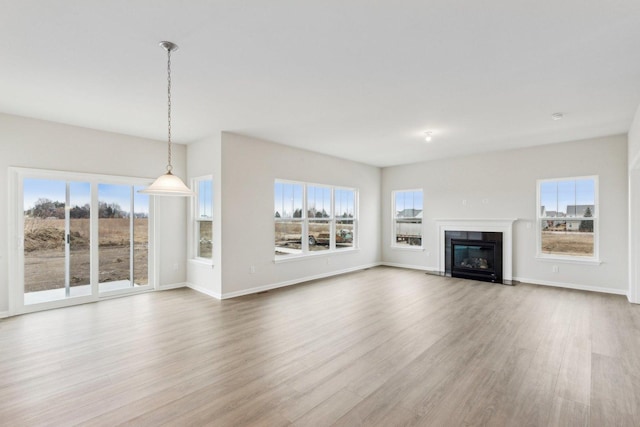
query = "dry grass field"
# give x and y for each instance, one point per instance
(567, 243)
(44, 252)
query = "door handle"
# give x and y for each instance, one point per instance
(68, 239)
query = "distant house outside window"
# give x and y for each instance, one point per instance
(568, 218)
(408, 207)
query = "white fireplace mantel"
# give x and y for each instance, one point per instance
(496, 225)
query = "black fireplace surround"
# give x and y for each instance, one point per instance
(474, 255)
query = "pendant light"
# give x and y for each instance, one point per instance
(168, 184)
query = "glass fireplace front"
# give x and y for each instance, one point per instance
(473, 259)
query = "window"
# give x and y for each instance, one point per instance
(288, 218)
(345, 214)
(407, 218)
(319, 214)
(203, 217)
(568, 218)
(324, 215)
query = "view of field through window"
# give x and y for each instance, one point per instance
(329, 218)
(345, 213)
(567, 217)
(45, 235)
(115, 226)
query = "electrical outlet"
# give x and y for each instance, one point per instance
(176, 267)
(464, 202)
(555, 269)
(328, 261)
(252, 269)
(485, 201)
(528, 224)
(427, 253)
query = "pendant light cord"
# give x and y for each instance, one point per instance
(168, 184)
(169, 167)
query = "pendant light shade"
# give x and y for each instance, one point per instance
(168, 184)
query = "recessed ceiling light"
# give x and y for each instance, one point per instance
(428, 136)
(557, 116)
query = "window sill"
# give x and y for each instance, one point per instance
(408, 248)
(302, 257)
(201, 261)
(568, 260)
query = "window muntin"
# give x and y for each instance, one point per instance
(567, 218)
(408, 206)
(325, 215)
(203, 217)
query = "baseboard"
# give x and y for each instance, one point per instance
(572, 286)
(295, 281)
(172, 286)
(4, 314)
(205, 291)
(411, 267)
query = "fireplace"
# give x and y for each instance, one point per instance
(478, 260)
(498, 230)
(474, 255)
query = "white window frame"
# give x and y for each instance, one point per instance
(394, 245)
(196, 220)
(332, 219)
(595, 259)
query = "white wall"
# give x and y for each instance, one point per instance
(507, 180)
(634, 209)
(39, 144)
(204, 158)
(249, 168)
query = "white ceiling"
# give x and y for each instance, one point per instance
(358, 79)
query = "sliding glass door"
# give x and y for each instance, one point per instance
(79, 237)
(123, 237)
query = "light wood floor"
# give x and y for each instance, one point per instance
(379, 347)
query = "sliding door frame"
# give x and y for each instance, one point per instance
(16, 237)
